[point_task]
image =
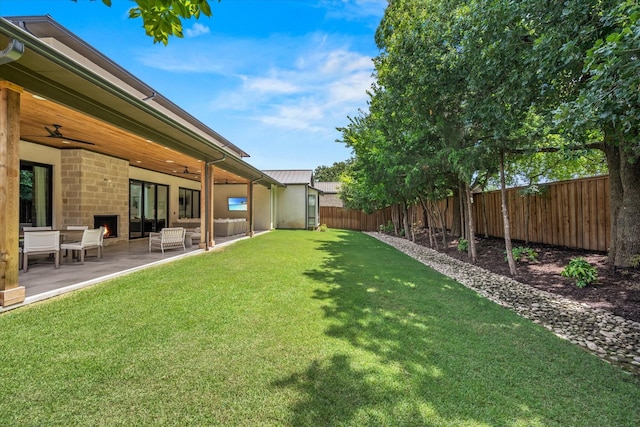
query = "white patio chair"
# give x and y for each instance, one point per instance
(40, 243)
(91, 239)
(167, 238)
(75, 237)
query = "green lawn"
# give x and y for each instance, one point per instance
(297, 328)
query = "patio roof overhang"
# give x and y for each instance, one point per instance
(69, 83)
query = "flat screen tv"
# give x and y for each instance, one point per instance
(237, 203)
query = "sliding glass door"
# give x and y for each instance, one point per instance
(148, 208)
(36, 204)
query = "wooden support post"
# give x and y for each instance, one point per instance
(10, 292)
(250, 208)
(207, 239)
(203, 208)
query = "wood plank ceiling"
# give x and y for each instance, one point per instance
(37, 113)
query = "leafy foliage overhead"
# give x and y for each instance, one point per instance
(162, 19)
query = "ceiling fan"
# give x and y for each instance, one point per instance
(186, 171)
(55, 133)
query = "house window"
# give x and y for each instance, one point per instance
(189, 203)
(36, 204)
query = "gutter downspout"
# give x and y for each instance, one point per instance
(13, 52)
(208, 227)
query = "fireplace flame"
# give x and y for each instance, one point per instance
(109, 224)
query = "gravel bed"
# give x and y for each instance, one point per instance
(613, 338)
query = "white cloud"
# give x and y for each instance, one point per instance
(217, 55)
(300, 117)
(315, 91)
(287, 87)
(342, 61)
(272, 85)
(351, 88)
(197, 30)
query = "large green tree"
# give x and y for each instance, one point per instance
(584, 54)
(331, 173)
(471, 82)
(600, 43)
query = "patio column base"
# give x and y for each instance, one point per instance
(12, 296)
(250, 233)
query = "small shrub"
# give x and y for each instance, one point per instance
(579, 269)
(323, 227)
(463, 245)
(386, 228)
(635, 261)
(522, 253)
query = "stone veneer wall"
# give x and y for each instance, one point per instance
(94, 184)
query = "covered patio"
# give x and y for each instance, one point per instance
(42, 281)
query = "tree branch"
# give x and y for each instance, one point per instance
(592, 146)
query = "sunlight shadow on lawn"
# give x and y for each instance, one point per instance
(336, 393)
(413, 351)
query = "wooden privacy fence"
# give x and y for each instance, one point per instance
(567, 213)
(335, 217)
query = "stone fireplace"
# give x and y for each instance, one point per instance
(95, 186)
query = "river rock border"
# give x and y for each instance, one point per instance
(610, 337)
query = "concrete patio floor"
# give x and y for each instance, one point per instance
(42, 280)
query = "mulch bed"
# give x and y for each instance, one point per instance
(615, 291)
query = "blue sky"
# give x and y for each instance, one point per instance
(275, 77)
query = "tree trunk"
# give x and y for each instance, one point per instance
(427, 220)
(412, 209)
(484, 215)
(462, 199)
(455, 203)
(432, 237)
(624, 191)
(405, 220)
(432, 223)
(395, 218)
(472, 233)
(527, 215)
(443, 224)
(505, 218)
